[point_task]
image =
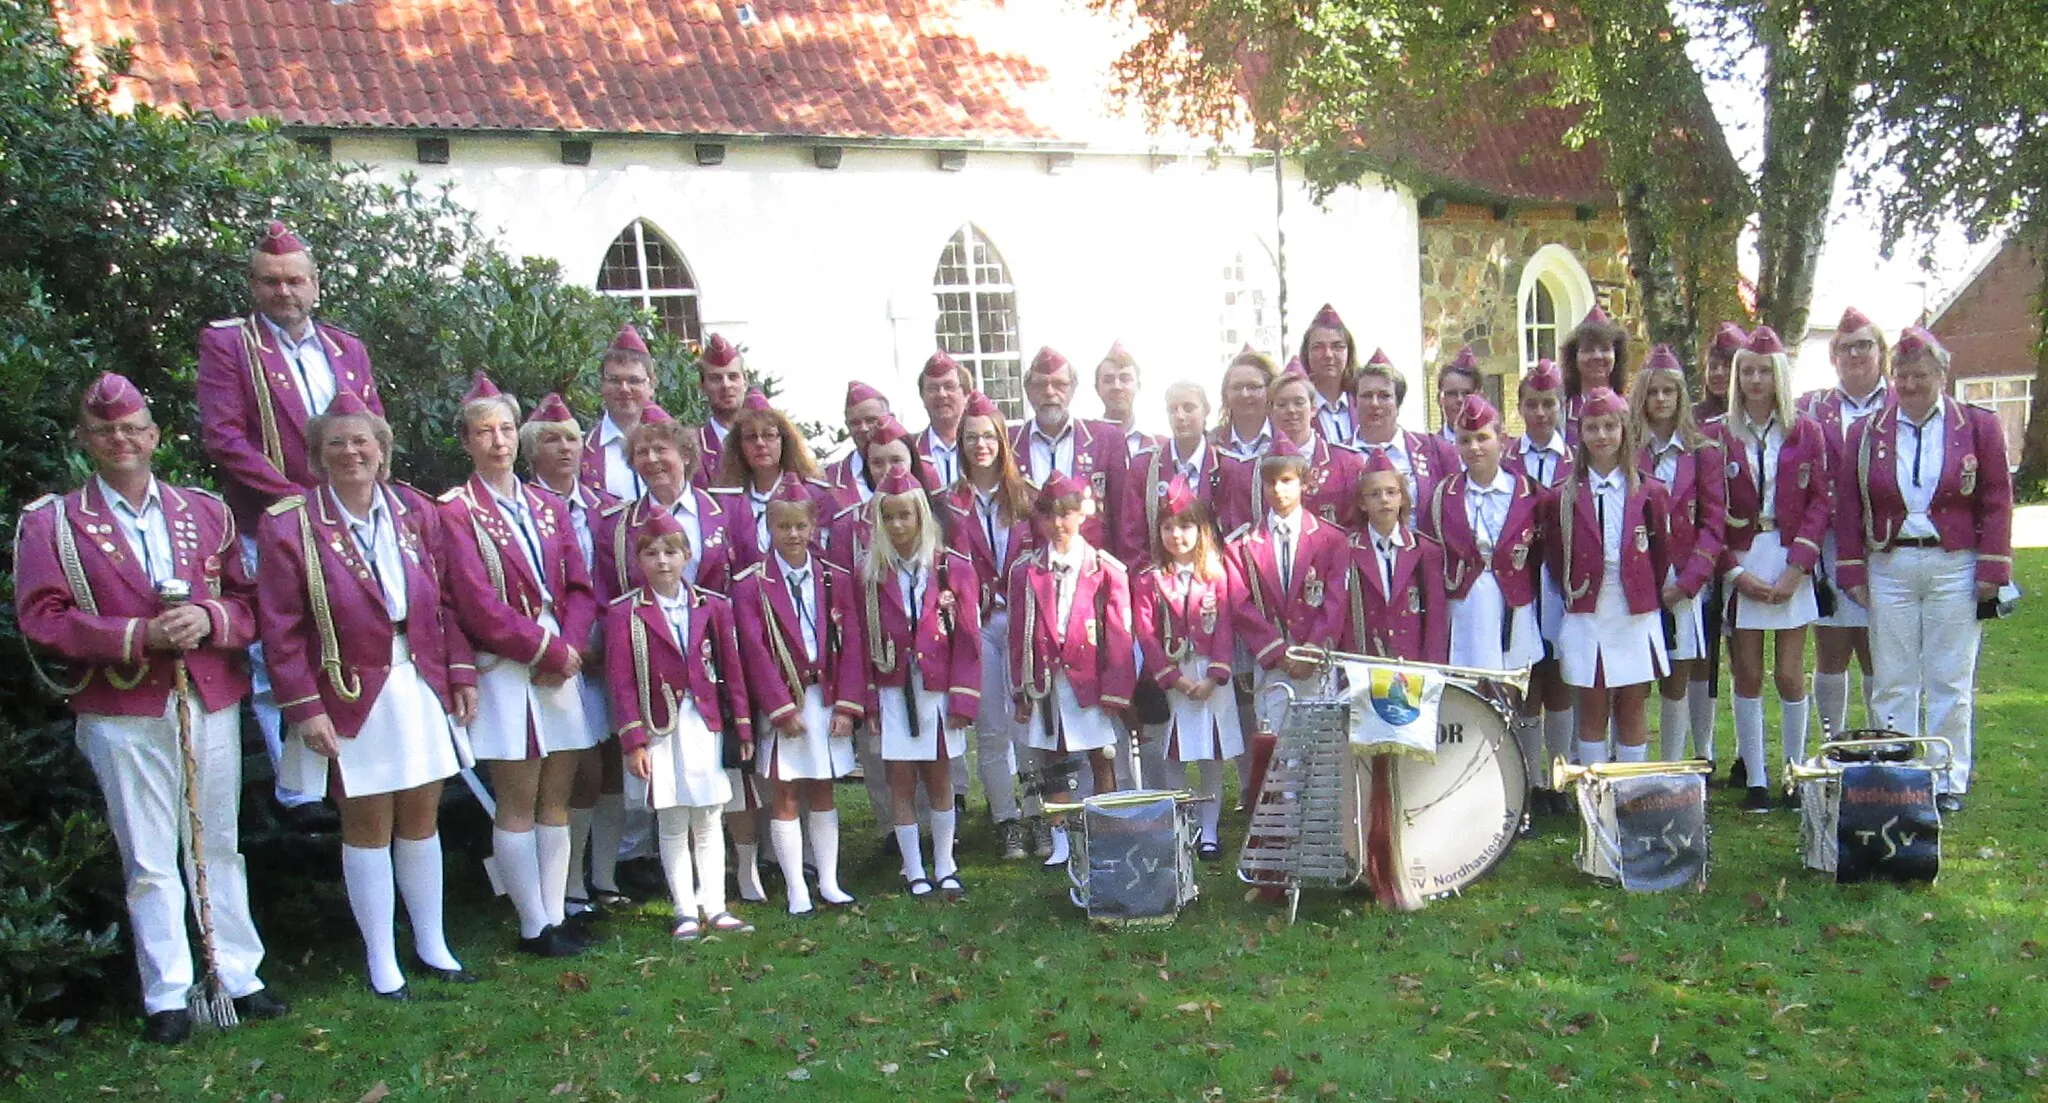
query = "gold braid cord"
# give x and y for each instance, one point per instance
(643, 680)
(884, 652)
(487, 550)
(785, 663)
(1567, 514)
(266, 415)
(1152, 495)
(1863, 480)
(345, 687)
(1358, 609)
(81, 595)
(1031, 689)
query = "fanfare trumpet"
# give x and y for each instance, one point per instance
(1468, 676)
(1829, 767)
(1563, 773)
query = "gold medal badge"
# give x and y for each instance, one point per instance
(1415, 599)
(1208, 613)
(1734, 468)
(1088, 631)
(1642, 538)
(706, 651)
(1805, 475)
(1312, 588)
(1098, 481)
(1520, 556)
(1969, 473)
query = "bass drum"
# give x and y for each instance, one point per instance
(1439, 826)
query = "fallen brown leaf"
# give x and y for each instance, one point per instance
(572, 982)
(1056, 1090)
(377, 1091)
(1937, 982)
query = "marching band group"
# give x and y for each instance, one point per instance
(701, 623)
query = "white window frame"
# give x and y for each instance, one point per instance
(975, 361)
(645, 296)
(1250, 271)
(1557, 271)
(2025, 401)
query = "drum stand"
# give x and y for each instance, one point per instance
(1306, 826)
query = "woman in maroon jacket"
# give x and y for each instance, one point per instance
(1690, 465)
(1777, 516)
(370, 668)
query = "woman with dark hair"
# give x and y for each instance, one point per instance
(1858, 353)
(1593, 355)
(768, 448)
(1717, 361)
(1454, 381)
(373, 674)
(1329, 355)
(1241, 429)
(988, 513)
(1328, 487)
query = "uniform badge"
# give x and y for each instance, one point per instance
(1329, 514)
(1208, 613)
(1415, 599)
(1315, 481)
(1734, 468)
(1805, 475)
(706, 652)
(1312, 588)
(1088, 631)
(1098, 481)
(1520, 556)
(1642, 538)
(1969, 473)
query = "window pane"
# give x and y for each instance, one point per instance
(952, 271)
(663, 285)
(621, 271)
(1545, 304)
(977, 318)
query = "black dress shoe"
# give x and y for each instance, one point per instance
(1209, 852)
(1792, 799)
(400, 994)
(610, 899)
(260, 1004)
(167, 1028)
(1738, 775)
(1757, 799)
(1949, 803)
(960, 803)
(578, 934)
(445, 976)
(550, 942)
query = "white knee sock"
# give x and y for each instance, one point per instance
(1700, 703)
(707, 841)
(1592, 752)
(746, 859)
(1749, 739)
(823, 828)
(1623, 752)
(911, 850)
(1671, 727)
(1793, 716)
(1058, 857)
(607, 825)
(551, 852)
(672, 836)
(1210, 771)
(416, 865)
(1831, 697)
(577, 888)
(1560, 736)
(787, 839)
(366, 870)
(519, 865)
(944, 826)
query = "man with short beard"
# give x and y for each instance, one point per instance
(1092, 453)
(943, 386)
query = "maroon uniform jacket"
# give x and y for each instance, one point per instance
(82, 595)
(615, 568)
(1699, 512)
(1517, 554)
(647, 680)
(1972, 507)
(252, 417)
(498, 600)
(1310, 610)
(1093, 648)
(1573, 541)
(1799, 487)
(945, 643)
(1412, 621)
(1177, 621)
(772, 646)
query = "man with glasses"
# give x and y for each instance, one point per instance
(262, 376)
(626, 382)
(943, 386)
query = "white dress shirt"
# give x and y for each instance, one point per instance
(1335, 420)
(676, 610)
(1765, 475)
(1610, 502)
(1049, 454)
(308, 357)
(1665, 458)
(1257, 446)
(1385, 549)
(1285, 533)
(989, 512)
(944, 457)
(1545, 462)
(1066, 574)
(527, 535)
(1928, 441)
(910, 585)
(376, 538)
(798, 579)
(619, 477)
(1189, 468)
(148, 533)
(1486, 510)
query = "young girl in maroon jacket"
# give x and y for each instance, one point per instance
(1605, 529)
(1398, 608)
(920, 609)
(1181, 610)
(673, 666)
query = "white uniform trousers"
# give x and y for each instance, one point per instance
(263, 703)
(1000, 743)
(141, 770)
(1923, 649)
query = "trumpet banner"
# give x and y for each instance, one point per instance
(1393, 710)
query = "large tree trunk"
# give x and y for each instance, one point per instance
(2033, 472)
(1667, 315)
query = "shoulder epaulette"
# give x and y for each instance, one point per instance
(821, 483)
(629, 595)
(43, 502)
(711, 596)
(614, 508)
(286, 504)
(225, 323)
(751, 570)
(1346, 446)
(451, 494)
(1239, 533)
(324, 324)
(831, 567)
(850, 511)
(1112, 561)
(721, 491)
(956, 553)
(204, 493)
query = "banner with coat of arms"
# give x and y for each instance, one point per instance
(1393, 710)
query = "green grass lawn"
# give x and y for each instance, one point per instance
(1537, 983)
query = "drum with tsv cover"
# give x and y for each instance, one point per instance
(1131, 860)
(1644, 823)
(1866, 807)
(1407, 779)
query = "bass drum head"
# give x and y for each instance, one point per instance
(1460, 815)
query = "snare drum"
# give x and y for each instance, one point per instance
(1131, 860)
(1645, 831)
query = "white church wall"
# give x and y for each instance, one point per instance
(826, 275)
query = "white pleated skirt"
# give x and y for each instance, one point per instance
(1198, 731)
(507, 700)
(1078, 729)
(1611, 646)
(1475, 629)
(1550, 608)
(903, 742)
(813, 756)
(406, 741)
(688, 768)
(1689, 623)
(1766, 559)
(597, 708)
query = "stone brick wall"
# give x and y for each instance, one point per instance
(1471, 268)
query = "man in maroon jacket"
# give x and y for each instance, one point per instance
(262, 376)
(90, 568)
